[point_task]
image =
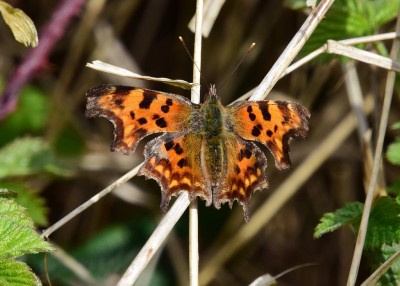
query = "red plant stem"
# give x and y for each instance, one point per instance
(36, 59)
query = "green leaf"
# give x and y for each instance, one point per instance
(376, 257)
(28, 198)
(351, 18)
(20, 24)
(16, 273)
(383, 11)
(30, 117)
(28, 156)
(17, 232)
(384, 224)
(393, 153)
(349, 214)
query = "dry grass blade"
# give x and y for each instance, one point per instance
(373, 279)
(109, 68)
(363, 56)
(291, 50)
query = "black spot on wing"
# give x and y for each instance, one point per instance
(169, 145)
(178, 149)
(165, 108)
(118, 102)
(148, 98)
(182, 163)
(237, 169)
(269, 133)
(132, 114)
(119, 89)
(264, 111)
(142, 120)
(169, 101)
(160, 122)
(255, 132)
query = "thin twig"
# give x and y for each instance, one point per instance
(195, 97)
(355, 264)
(291, 50)
(47, 232)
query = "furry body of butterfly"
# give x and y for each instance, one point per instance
(206, 149)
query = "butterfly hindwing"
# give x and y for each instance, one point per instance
(272, 123)
(245, 174)
(137, 112)
(174, 162)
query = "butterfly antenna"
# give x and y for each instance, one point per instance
(237, 65)
(190, 56)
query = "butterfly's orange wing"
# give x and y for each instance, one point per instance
(272, 123)
(173, 160)
(137, 112)
(245, 173)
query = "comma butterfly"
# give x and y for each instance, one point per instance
(205, 149)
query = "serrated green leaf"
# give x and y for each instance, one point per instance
(26, 197)
(12, 211)
(28, 156)
(21, 25)
(349, 214)
(17, 234)
(384, 224)
(16, 273)
(393, 153)
(376, 257)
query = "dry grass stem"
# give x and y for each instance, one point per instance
(155, 241)
(210, 13)
(195, 97)
(292, 49)
(373, 279)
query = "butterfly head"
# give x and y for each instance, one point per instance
(212, 92)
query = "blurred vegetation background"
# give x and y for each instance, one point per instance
(67, 157)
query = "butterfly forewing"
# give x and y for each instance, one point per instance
(137, 112)
(273, 123)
